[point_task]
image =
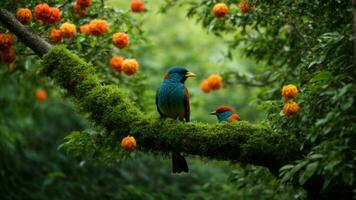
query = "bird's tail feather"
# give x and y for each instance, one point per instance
(179, 164)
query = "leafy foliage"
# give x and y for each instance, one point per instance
(308, 43)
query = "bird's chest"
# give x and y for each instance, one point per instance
(171, 100)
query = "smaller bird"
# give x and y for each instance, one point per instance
(225, 114)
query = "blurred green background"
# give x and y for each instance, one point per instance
(33, 167)
(174, 39)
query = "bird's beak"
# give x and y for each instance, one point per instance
(213, 113)
(189, 74)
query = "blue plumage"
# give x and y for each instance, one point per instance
(172, 101)
(224, 116)
(172, 98)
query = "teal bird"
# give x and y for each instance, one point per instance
(172, 101)
(225, 114)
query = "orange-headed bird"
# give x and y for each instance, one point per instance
(225, 114)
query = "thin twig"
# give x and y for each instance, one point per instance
(297, 28)
(64, 4)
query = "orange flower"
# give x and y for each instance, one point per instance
(68, 30)
(215, 81)
(42, 12)
(8, 55)
(290, 109)
(129, 66)
(6, 41)
(24, 15)
(55, 16)
(205, 86)
(85, 29)
(41, 95)
(128, 143)
(244, 6)
(46, 14)
(137, 6)
(80, 11)
(98, 26)
(116, 63)
(120, 40)
(289, 91)
(220, 10)
(56, 35)
(83, 3)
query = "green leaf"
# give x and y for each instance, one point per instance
(322, 76)
(316, 156)
(286, 167)
(309, 171)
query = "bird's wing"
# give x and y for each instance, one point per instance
(186, 105)
(234, 117)
(160, 113)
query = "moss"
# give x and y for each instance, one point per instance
(109, 107)
(68, 69)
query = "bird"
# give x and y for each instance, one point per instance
(172, 101)
(225, 114)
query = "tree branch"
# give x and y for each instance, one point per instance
(110, 108)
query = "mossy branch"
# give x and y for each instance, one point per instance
(109, 108)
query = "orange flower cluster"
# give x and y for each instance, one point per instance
(120, 40)
(220, 10)
(41, 95)
(7, 54)
(290, 109)
(80, 7)
(95, 27)
(128, 143)
(85, 29)
(137, 6)
(98, 26)
(47, 14)
(289, 91)
(68, 30)
(6, 41)
(245, 6)
(56, 35)
(205, 86)
(129, 66)
(24, 15)
(214, 82)
(83, 3)
(116, 63)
